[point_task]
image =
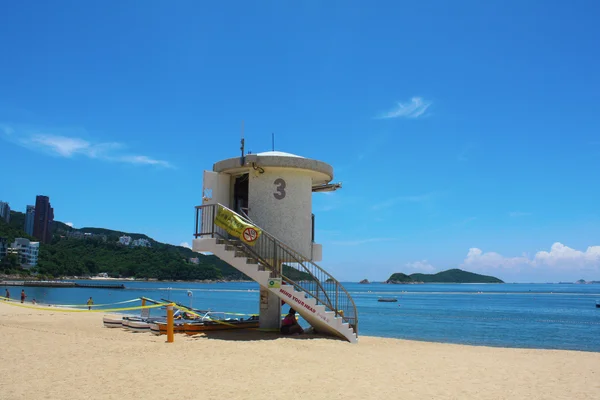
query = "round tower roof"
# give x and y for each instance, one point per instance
(277, 154)
(320, 172)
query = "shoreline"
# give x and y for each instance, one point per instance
(4, 277)
(319, 368)
(38, 306)
(10, 278)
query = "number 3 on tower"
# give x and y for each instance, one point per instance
(280, 194)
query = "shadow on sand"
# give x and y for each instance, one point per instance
(248, 335)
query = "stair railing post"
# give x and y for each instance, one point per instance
(196, 227)
(275, 260)
(336, 298)
(212, 221)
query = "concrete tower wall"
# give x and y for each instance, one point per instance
(280, 201)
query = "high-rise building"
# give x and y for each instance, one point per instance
(5, 211)
(44, 216)
(29, 220)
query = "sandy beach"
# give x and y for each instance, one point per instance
(58, 355)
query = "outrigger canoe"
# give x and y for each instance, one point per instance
(113, 321)
(139, 324)
(160, 327)
(193, 328)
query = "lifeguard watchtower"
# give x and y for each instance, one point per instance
(256, 215)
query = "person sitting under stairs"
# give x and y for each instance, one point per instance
(290, 325)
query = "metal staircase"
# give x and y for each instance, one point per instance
(313, 292)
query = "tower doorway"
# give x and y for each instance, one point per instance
(240, 193)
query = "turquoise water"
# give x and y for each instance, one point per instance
(548, 316)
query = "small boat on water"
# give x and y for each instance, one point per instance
(387, 300)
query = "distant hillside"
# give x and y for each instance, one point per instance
(12, 230)
(112, 234)
(399, 277)
(449, 276)
(70, 256)
(17, 221)
(67, 256)
(295, 275)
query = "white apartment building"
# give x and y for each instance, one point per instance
(141, 242)
(27, 252)
(125, 240)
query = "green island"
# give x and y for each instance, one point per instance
(88, 252)
(450, 276)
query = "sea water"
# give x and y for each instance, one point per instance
(546, 316)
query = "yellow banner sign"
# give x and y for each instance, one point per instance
(236, 226)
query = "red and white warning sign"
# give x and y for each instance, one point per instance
(249, 235)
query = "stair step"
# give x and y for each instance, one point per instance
(239, 256)
(264, 275)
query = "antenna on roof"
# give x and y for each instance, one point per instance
(242, 144)
(273, 141)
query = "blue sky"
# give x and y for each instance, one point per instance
(465, 133)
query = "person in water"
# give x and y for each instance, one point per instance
(90, 303)
(290, 325)
(7, 295)
(23, 295)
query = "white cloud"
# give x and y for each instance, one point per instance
(61, 145)
(69, 147)
(477, 259)
(143, 160)
(561, 262)
(564, 256)
(419, 266)
(413, 109)
(185, 244)
(69, 224)
(515, 214)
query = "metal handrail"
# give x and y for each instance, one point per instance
(348, 312)
(299, 259)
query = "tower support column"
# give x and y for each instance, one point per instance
(270, 310)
